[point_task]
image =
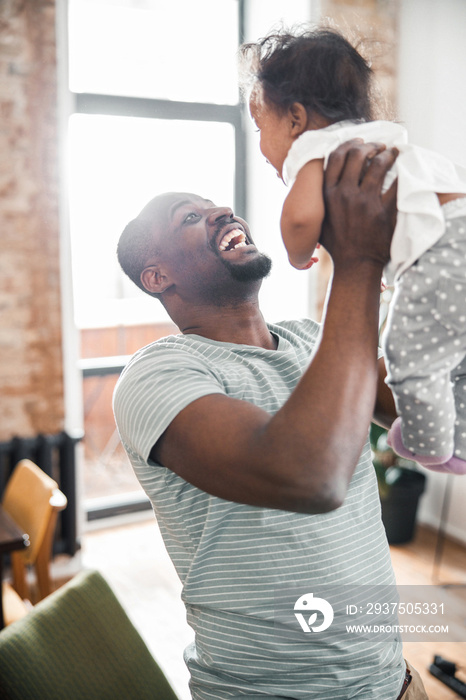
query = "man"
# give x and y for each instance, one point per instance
(255, 459)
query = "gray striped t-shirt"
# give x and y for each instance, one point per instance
(234, 560)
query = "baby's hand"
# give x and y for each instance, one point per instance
(310, 263)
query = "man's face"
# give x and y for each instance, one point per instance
(205, 247)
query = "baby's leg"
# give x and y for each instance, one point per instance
(424, 344)
(459, 388)
(457, 463)
(420, 385)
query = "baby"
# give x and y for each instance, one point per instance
(311, 92)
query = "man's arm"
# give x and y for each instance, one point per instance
(302, 458)
(385, 411)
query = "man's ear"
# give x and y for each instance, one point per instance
(299, 119)
(154, 279)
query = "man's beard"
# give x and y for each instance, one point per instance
(257, 268)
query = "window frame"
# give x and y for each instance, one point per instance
(155, 108)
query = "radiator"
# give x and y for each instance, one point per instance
(56, 456)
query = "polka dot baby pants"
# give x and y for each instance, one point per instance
(425, 348)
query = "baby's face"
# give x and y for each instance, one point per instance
(275, 136)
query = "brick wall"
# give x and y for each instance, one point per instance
(375, 24)
(31, 383)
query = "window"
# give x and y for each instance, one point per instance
(171, 49)
(156, 109)
(133, 159)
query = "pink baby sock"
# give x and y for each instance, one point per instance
(445, 463)
(454, 465)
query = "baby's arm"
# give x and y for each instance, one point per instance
(303, 213)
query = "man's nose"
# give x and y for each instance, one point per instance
(217, 213)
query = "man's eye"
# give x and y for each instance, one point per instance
(190, 217)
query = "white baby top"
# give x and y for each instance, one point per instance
(421, 173)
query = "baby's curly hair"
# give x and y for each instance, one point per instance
(318, 68)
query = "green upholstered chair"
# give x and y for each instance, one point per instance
(78, 644)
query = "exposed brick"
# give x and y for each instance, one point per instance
(31, 374)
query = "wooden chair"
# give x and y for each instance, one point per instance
(14, 607)
(79, 644)
(34, 500)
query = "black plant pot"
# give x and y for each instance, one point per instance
(400, 499)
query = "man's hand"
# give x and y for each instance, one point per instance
(359, 220)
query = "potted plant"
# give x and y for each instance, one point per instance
(401, 484)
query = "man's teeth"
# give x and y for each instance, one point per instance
(233, 240)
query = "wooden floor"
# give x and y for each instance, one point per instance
(414, 565)
(134, 561)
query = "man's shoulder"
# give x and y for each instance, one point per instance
(156, 352)
(303, 329)
(167, 365)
